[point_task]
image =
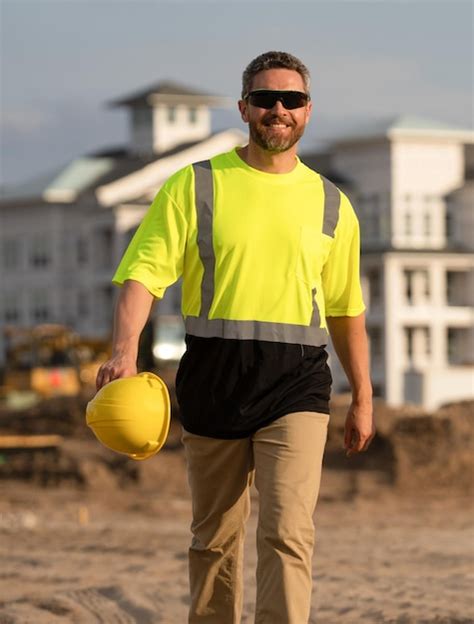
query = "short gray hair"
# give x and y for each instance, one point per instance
(273, 60)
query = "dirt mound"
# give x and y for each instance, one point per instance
(413, 451)
(77, 459)
(435, 451)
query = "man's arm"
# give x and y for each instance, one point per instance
(131, 313)
(349, 338)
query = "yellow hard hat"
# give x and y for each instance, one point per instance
(131, 415)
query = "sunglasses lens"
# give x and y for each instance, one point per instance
(263, 100)
(294, 100)
(268, 99)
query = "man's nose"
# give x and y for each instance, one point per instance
(278, 108)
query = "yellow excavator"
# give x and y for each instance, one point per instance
(50, 360)
(42, 362)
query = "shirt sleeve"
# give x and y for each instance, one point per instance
(340, 276)
(155, 255)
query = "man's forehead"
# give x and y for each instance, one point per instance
(278, 78)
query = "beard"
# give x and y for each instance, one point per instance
(272, 139)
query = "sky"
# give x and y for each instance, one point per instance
(62, 61)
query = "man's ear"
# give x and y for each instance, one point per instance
(309, 110)
(243, 110)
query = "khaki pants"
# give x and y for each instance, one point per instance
(285, 458)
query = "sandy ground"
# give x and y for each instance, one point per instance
(116, 552)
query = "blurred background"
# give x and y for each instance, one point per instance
(100, 103)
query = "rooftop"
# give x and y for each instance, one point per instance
(404, 125)
(172, 93)
(86, 173)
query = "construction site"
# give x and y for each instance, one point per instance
(88, 535)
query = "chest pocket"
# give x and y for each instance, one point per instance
(313, 251)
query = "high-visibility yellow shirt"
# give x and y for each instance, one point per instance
(262, 255)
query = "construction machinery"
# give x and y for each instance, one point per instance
(50, 360)
(50, 370)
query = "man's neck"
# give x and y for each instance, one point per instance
(269, 162)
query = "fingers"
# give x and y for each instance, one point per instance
(368, 441)
(348, 433)
(114, 369)
(354, 442)
(107, 374)
(102, 378)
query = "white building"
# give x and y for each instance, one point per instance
(411, 183)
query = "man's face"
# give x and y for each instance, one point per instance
(276, 129)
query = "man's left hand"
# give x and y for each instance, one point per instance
(359, 428)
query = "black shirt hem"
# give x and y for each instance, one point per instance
(238, 435)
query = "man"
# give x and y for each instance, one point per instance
(269, 254)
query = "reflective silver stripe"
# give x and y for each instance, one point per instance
(315, 317)
(332, 201)
(204, 194)
(256, 330)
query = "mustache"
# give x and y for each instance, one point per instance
(277, 119)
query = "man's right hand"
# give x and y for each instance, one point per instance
(117, 367)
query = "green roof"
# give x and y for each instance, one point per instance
(80, 174)
(75, 177)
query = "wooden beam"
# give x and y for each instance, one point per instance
(29, 441)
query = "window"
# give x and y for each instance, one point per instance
(408, 275)
(370, 206)
(426, 339)
(11, 307)
(375, 200)
(460, 346)
(449, 225)
(192, 115)
(426, 283)
(81, 251)
(142, 116)
(11, 254)
(40, 311)
(103, 304)
(409, 338)
(40, 255)
(374, 225)
(427, 224)
(105, 247)
(375, 293)
(82, 304)
(375, 335)
(171, 114)
(407, 223)
(458, 288)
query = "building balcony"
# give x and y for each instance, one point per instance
(430, 314)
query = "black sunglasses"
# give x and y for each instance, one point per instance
(264, 98)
